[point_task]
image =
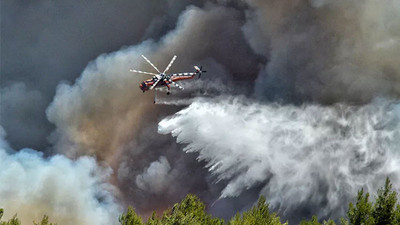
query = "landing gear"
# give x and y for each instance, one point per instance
(168, 88)
(155, 95)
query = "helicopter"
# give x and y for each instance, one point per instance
(162, 79)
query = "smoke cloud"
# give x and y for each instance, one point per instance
(69, 192)
(309, 159)
(105, 114)
(326, 51)
(309, 155)
(17, 104)
(47, 42)
(155, 176)
(106, 93)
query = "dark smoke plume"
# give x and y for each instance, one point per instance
(326, 51)
(318, 57)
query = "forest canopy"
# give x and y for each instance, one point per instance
(385, 210)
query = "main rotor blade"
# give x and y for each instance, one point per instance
(138, 71)
(170, 64)
(183, 74)
(155, 83)
(144, 57)
(177, 85)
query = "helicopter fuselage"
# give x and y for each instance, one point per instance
(164, 82)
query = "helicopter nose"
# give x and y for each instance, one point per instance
(142, 86)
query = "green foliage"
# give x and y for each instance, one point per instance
(396, 219)
(12, 221)
(44, 221)
(189, 211)
(383, 212)
(362, 212)
(130, 218)
(384, 208)
(258, 215)
(343, 221)
(153, 220)
(15, 220)
(329, 222)
(313, 221)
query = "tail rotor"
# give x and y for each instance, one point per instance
(200, 70)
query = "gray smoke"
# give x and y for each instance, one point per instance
(323, 52)
(45, 42)
(104, 113)
(70, 192)
(326, 51)
(156, 177)
(17, 104)
(106, 92)
(309, 159)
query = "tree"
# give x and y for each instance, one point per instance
(343, 221)
(44, 221)
(130, 218)
(153, 220)
(384, 207)
(329, 222)
(313, 221)
(257, 215)
(16, 221)
(189, 211)
(396, 216)
(361, 214)
(12, 221)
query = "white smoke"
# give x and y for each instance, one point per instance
(304, 156)
(69, 192)
(156, 177)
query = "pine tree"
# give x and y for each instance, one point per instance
(189, 211)
(44, 221)
(130, 218)
(384, 207)
(313, 221)
(329, 222)
(343, 221)
(257, 215)
(153, 220)
(12, 221)
(396, 220)
(361, 214)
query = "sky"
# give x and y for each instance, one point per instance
(304, 94)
